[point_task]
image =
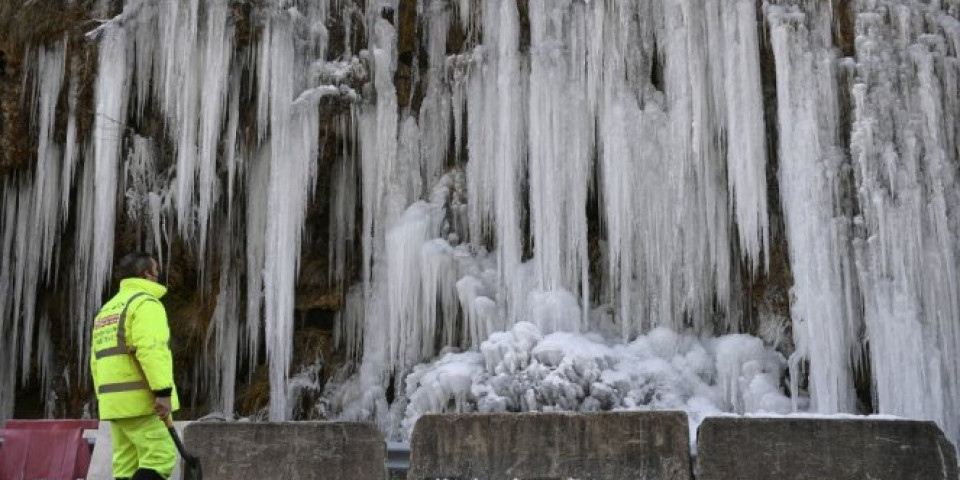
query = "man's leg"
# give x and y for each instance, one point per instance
(147, 474)
(124, 452)
(156, 452)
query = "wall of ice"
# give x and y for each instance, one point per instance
(580, 180)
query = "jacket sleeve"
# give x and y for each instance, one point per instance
(149, 334)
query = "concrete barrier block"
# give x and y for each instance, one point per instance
(288, 451)
(731, 448)
(595, 446)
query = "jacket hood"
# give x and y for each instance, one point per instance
(152, 288)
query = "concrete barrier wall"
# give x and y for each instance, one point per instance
(730, 448)
(601, 446)
(622, 446)
(288, 451)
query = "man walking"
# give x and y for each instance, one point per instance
(132, 370)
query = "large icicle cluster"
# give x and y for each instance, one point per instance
(578, 118)
(653, 112)
(32, 220)
(906, 160)
(818, 232)
(887, 271)
(178, 61)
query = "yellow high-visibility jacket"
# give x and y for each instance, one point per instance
(132, 323)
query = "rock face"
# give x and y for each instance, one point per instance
(822, 449)
(301, 450)
(26, 26)
(622, 445)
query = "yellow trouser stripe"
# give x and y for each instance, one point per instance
(123, 387)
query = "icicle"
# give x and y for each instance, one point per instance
(436, 109)
(45, 365)
(33, 217)
(9, 324)
(139, 179)
(8, 377)
(704, 273)
(507, 93)
(47, 207)
(378, 131)
(904, 149)
(25, 277)
(97, 188)
(496, 133)
(8, 217)
(380, 10)
(618, 109)
(440, 307)
(293, 154)
(214, 54)
(823, 312)
(264, 52)
(409, 341)
(744, 129)
(231, 157)
(420, 273)
(149, 54)
(378, 144)
(71, 154)
(108, 132)
(257, 210)
(407, 183)
(350, 323)
(178, 82)
(479, 166)
(561, 147)
(465, 13)
(85, 289)
(225, 327)
(480, 311)
(640, 184)
(344, 207)
(459, 109)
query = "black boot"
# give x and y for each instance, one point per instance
(147, 474)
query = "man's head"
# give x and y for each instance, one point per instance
(138, 265)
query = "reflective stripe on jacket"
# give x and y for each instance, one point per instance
(131, 324)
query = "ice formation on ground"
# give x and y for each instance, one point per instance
(523, 370)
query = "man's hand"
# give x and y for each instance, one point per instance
(162, 406)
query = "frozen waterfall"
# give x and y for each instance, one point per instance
(538, 205)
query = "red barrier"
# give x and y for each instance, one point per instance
(52, 424)
(48, 449)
